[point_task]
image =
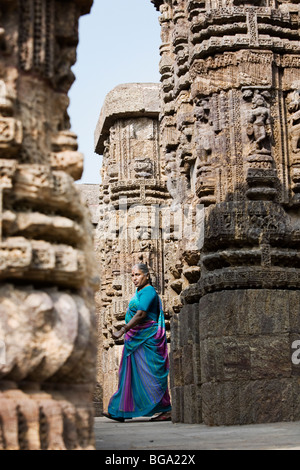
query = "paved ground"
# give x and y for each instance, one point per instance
(141, 434)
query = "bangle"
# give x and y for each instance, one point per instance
(124, 329)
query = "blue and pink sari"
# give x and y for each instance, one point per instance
(143, 374)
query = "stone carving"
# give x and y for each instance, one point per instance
(261, 175)
(293, 106)
(132, 189)
(258, 120)
(47, 272)
(143, 168)
(205, 138)
(229, 136)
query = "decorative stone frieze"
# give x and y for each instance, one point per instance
(230, 141)
(47, 272)
(132, 195)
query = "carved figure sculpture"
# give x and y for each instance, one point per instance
(237, 296)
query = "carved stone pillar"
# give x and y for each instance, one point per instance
(132, 196)
(235, 143)
(47, 271)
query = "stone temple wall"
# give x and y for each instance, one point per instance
(229, 135)
(90, 194)
(47, 270)
(133, 196)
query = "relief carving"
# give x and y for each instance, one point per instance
(258, 120)
(47, 271)
(293, 105)
(205, 138)
(237, 64)
(133, 188)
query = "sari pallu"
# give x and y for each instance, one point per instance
(144, 369)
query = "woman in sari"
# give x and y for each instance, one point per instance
(144, 368)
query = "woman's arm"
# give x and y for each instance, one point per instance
(136, 320)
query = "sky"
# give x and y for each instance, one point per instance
(118, 43)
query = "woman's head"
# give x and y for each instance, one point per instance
(140, 275)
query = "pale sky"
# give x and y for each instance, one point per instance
(119, 43)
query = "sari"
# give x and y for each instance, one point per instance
(144, 368)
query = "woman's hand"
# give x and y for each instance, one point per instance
(136, 320)
(118, 334)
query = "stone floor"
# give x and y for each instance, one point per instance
(141, 434)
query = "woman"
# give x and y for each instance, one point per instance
(144, 369)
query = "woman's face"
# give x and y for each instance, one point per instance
(139, 278)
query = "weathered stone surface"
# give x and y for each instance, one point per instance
(129, 229)
(229, 139)
(128, 100)
(90, 193)
(226, 147)
(47, 269)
